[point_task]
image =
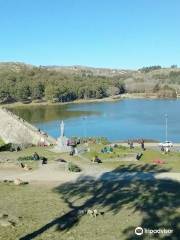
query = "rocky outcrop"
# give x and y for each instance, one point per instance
(14, 129)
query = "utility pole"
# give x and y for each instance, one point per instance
(166, 119)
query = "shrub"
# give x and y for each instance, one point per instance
(10, 147)
(73, 167)
(167, 92)
(121, 147)
(13, 147)
(25, 158)
(30, 158)
(5, 147)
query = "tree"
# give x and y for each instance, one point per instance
(83, 92)
(23, 92)
(151, 68)
(51, 93)
(174, 66)
(4, 96)
(156, 88)
(111, 91)
(37, 91)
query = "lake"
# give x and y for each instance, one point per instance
(120, 120)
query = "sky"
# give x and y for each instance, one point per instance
(125, 34)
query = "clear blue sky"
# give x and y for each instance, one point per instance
(104, 33)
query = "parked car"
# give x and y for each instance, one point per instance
(166, 144)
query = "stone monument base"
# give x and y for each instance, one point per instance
(62, 145)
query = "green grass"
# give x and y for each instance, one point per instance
(45, 209)
(36, 206)
(117, 158)
(42, 151)
(110, 160)
(172, 159)
(1, 142)
(126, 206)
(119, 152)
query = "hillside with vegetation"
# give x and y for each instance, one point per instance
(26, 83)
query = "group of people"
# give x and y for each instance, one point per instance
(36, 157)
(107, 149)
(141, 142)
(165, 149)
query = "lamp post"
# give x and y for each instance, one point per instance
(85, 127)
(166, 120)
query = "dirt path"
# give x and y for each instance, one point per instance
(57, 172)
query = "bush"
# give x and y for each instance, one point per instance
(25, 158)
(73, 167)
(149, 69)
(167, 92)
(122, 147)
(13, 147)
(30, 158)
(10, 147)
(5, 147)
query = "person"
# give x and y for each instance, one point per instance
(35, 156)
(22, 165)
(139, 155)
(162, 148)
(111, 149)
(131, 145)
(72, 152)
(96, 159)
(44, 160)
(142, 146)
(166, 149)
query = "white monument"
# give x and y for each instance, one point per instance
(62, 141)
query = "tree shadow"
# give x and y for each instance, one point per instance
(157, 200)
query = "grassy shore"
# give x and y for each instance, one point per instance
(123, 156)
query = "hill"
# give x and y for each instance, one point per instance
(23, 82)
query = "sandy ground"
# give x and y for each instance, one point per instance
(58, 173)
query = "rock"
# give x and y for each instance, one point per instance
(9, 220)
(27, 168)
(3, 215)
(5, 223)
(18, 181)
(8, 181)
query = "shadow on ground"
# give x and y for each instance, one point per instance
(157, 200)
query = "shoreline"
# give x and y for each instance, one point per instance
(46, 103)
(81, 101)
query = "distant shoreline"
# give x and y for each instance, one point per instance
(46, 103)
(81, 101)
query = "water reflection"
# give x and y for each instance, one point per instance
(41, 114)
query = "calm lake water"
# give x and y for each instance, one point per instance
(115, 120)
